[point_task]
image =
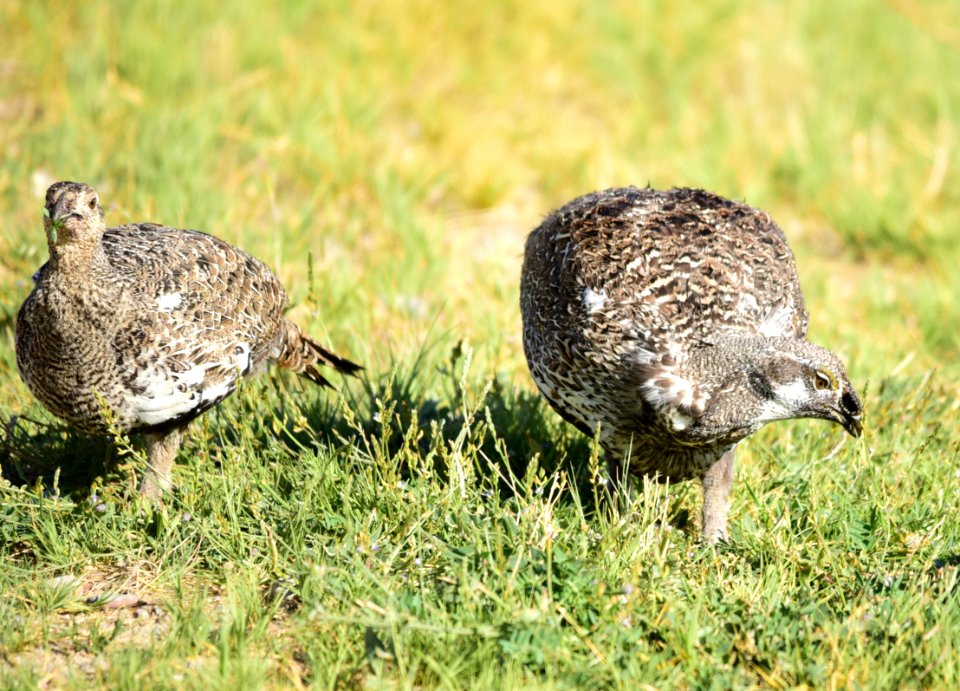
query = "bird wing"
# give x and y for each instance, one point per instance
(207, 314)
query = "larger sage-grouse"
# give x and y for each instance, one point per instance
(141, 328)
(674, 322)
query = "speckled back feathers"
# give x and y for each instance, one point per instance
(665, 267)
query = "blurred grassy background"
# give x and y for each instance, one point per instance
(409, 147)
(404, 150)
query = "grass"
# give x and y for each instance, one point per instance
(435, 524)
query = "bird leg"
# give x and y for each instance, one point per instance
(716, 491)
(162, 450)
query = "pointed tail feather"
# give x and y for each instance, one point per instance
(341, 364)
(300, 354)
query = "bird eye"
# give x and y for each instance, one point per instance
(92, 203)
(822, 381)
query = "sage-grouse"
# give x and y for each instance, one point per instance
(141, 328)
(674, 322)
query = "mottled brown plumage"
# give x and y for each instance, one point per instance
(140, 328)
(674, 321)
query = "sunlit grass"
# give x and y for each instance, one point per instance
(436, 524)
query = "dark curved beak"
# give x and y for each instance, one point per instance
(851, 422)
(61, 209)
(61, 215)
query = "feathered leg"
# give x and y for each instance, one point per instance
(716, 503)
(162, 450)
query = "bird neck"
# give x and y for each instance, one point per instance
(729, 372)
(78, 256)
(726, 357)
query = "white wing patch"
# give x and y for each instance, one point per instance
(593, 300)
(165, 394)
(670, 389)
(240, 364)
(169, 302)
(675, 398)
(160, 397)
(776, 323)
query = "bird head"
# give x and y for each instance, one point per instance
(72, 215)
(798, 379)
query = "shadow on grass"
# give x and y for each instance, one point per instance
(52, 453)
(430, 402)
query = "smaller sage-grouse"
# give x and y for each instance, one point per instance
(141, 328)
(674, 321)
